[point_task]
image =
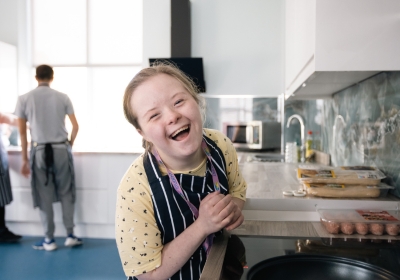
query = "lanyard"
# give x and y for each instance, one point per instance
(209, 240)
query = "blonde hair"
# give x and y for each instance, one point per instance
(156, 69)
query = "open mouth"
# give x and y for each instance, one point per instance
(181, 133)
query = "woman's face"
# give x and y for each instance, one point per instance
(169, 118)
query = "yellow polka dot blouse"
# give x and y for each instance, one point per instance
(137, 235)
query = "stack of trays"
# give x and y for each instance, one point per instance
(343, 182)
(349, 221)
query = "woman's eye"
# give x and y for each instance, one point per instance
(153, 116)
(179, 101)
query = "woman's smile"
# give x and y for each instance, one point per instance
(170, 119)
(181, 133)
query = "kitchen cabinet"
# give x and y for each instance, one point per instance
(331, 45)
(8, 74)
(97, 176)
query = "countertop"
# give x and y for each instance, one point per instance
(137, 151)
(270, 214)
(266, 182)
(271, 235)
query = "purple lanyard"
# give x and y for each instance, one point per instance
(209, 240)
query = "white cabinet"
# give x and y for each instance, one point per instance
(8, 77)
(333, 44)
(242, 46)
(97, 176)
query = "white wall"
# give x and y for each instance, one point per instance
(9, 21)
(97, 179)
(156, 30)
(14, 31)
(242, 45)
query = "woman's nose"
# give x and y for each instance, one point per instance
(173, 116)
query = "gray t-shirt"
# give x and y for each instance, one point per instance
(45, 110)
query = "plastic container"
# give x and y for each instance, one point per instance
(347, 191)
(348, 175)
(350, 221)
(291, 155)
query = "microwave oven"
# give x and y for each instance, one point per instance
(257, 135)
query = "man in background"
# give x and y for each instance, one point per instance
(50, 161)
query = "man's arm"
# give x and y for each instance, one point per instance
(75, 128)
(25, 169)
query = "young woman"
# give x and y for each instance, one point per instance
(183, 190)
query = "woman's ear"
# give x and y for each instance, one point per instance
(140, 132)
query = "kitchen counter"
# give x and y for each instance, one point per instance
(263, 240)
(16, 150)
(265, 200)
(277, 225)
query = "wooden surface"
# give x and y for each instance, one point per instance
(268, 228)
(296, 229)
(215, 259)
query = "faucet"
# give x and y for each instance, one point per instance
(338, 117)
(300, 119)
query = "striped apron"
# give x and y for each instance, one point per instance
(5, 184)
(173, 215)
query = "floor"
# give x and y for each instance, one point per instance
(95, 259)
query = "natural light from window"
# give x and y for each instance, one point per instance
(95, 48)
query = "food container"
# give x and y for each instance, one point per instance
(346, 191)
(349, 175)
(360, 221)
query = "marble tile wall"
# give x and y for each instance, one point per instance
(239, 109)
(359, 125)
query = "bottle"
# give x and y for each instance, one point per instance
(309, 143)
(316, 141)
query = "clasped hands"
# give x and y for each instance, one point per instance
(218, 211)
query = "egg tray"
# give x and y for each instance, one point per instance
(360, 221)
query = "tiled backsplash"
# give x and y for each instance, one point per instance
(238, 109)
(359, 125)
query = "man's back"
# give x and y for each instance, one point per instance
(45, 110)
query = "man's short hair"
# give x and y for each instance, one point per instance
(44, 72)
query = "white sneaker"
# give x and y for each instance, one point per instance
(45, 244)
(72, 241)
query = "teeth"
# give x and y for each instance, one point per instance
(179, 130)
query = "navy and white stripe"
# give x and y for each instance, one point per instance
(5, 184)
(173, 215)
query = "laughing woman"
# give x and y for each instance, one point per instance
(183, 190)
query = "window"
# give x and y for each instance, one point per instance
(95, 48)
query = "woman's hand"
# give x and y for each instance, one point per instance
(216, 212)
(238, 217)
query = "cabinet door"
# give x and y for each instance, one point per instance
(357, 35)
(300, 38)
(8, 74)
